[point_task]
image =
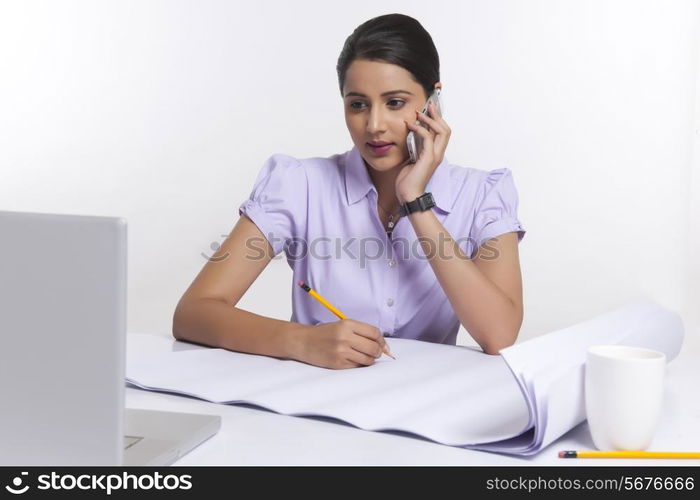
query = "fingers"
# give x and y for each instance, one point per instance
(422, 131)
(435, 121)
(368, 331)
(437, 124)
(427, 135)
(362, 344)
(439, 132)
(366, 346)
(359, 357)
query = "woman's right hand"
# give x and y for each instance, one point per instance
(346, 343)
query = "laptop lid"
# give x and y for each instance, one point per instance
(63, 331)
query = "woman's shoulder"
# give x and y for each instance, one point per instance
(283, 168)
(478, 179)
(315, 170)
(474, 174)
(316, 164)
(468, 187)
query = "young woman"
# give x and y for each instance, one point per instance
(395, 270)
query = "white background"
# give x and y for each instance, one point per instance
(163, 113)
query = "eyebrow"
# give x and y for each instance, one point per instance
(384, 94)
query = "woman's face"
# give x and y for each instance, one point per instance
(378, 97)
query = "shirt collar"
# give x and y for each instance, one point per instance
(358, 182)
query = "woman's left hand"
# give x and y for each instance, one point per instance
(414, 177)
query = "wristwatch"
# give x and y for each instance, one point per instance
(420, 204)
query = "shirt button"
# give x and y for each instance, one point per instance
(390, 302)
(386, 334)
(392, 263)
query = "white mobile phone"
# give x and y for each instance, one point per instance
(415, 141)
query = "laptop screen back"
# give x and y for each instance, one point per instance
(63, 333)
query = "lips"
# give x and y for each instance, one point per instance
(380, 150)
(378, 144)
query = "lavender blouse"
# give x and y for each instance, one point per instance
(322, 212)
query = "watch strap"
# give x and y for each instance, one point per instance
(420, 204)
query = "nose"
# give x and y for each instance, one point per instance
(376, 121)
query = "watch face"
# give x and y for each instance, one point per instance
(426, 201)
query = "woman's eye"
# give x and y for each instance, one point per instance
(392, 103)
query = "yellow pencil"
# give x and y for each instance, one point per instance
(335, 311)
(628, 454)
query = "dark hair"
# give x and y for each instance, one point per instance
(397, 39)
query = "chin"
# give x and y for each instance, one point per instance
(384, 163)
(381, 164)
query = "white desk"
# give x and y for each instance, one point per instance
(252, 436)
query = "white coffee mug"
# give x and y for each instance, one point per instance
(624, 388)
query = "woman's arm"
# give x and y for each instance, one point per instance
(486, 294)
(216, 323)
(206, 313)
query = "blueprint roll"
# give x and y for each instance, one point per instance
(515, 403)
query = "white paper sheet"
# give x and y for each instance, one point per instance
(452, 395)
(551, 367)
(515, 403)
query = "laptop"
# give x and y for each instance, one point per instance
(62, 359)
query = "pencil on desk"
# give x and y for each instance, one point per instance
(628, 454)
(335, 311)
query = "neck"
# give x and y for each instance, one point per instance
(385, 183)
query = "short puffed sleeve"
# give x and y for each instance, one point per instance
(278, 201)
(497, 213)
